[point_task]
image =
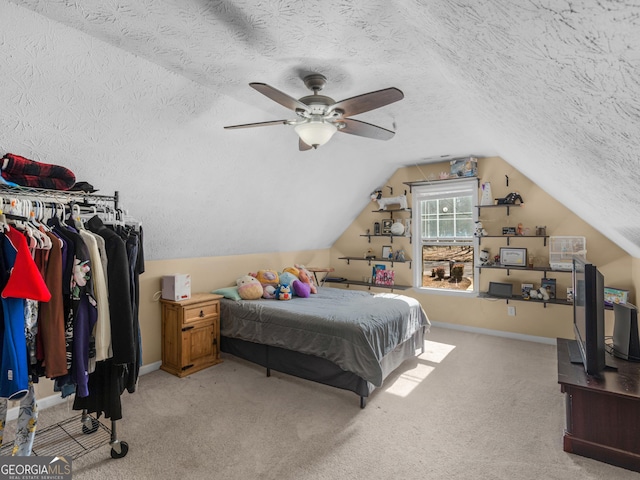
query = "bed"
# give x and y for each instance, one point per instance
(349, 339)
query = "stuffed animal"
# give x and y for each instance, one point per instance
(268, 291)
(249, 288)
(484, 257)
(301, 289)
(287, 278)
(540, 294)
(283, 292)
(267, 278)
(292, 270)
(307, 277)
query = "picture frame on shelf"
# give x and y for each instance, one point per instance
(386, 226)
(386, 252)
(385, 277)
(513, 257)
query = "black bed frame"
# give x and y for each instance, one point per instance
(298, 364)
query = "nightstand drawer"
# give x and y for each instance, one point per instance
(197, 313)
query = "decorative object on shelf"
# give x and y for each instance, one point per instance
(376, 228)
(541, 231)
(407, 227)
(485, 258)
(520, 230)
(508, 230)
(387, 252)
(549, 284)
(375, 269)
(397, 228)
(510, 199)
(480, 232)
(615, 295)
(486, 198)
(569, 294)
(384, 202)
(540, 294)
(530, 261)
(514, 257)
(525, 289)
(443, 175)
(464, 167)
(385, 277)
(386, 226)
(400, 257)
(369, 254)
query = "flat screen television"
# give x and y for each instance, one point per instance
(588, 315)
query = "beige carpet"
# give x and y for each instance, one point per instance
(472, 407)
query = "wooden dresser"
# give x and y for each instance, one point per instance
(190, 334)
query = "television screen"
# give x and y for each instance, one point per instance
(588, 315)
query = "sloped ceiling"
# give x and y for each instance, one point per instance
(132, 96)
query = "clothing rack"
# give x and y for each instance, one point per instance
(69, 439)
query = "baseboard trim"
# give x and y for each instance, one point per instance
(496, 333)
(53, 400)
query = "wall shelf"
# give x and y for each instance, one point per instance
(375, 260)
(372, 285)
(523, 269)
(509, 237)
(502, 205)
(388, 235)
(520, 299)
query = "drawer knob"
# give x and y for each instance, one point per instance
(201, 313)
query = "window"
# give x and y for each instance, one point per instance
(444, 217)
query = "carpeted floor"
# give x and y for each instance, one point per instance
(471, 407)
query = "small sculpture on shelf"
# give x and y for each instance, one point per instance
(485, 257)
(480, 232)
(400, 256)
(369, 254)
(510, 199)
(400, 200)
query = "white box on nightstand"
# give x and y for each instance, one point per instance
(176, 287)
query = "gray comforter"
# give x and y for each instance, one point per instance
(352, 328)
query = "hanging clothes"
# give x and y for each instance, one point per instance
(24, 281)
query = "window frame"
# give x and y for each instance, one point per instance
(442, 189)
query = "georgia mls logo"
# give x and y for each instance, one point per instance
(36, 468)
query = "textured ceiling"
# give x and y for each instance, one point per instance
(132, 95)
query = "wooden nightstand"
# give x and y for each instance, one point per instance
(190, 334)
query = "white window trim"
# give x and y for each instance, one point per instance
(435, 188)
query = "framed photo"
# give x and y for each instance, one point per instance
(513, 257)
(386, 251)
(385, 277)
(386, 226)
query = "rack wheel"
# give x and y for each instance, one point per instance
(123, 449)
(89, 425)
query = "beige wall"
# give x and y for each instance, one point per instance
(619, 269)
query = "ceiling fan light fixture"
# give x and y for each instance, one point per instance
(315, 132)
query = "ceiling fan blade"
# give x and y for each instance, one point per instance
(303, 146)
(279, 97)
(367, 101)
(364, 129)
(259, 124)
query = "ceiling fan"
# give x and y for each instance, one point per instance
(320, 116)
